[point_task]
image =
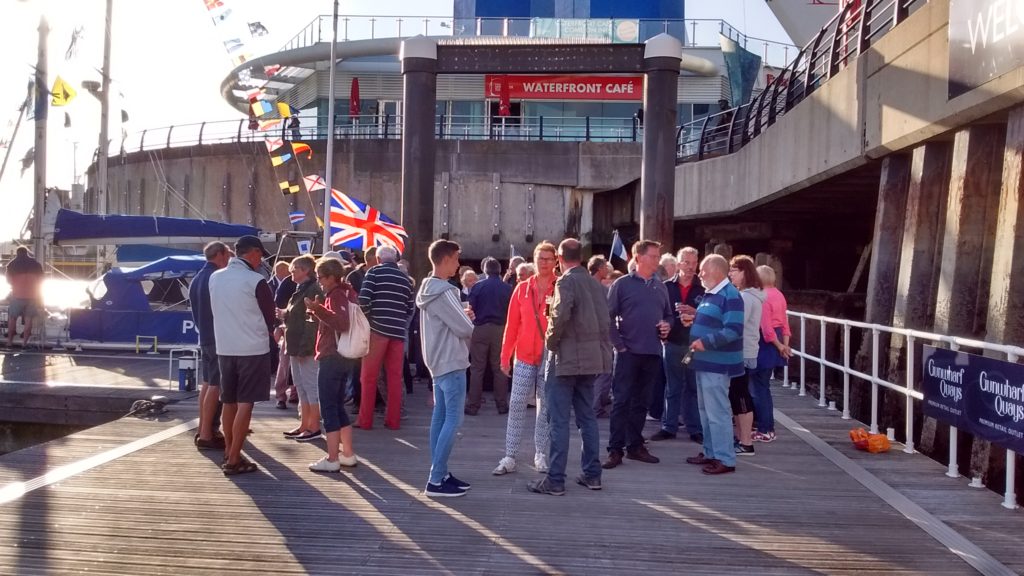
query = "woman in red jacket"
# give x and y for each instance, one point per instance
(524, 339)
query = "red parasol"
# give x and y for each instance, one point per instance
(504, 105)
(353, 104)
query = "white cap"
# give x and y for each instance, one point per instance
(419, 47)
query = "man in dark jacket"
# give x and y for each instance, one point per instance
(577, 337)
(684, 294)
(489, 299)
(217, 255)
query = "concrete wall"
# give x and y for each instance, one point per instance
(543, 187)
(890, 98)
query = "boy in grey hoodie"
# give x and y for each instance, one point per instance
(445, 329)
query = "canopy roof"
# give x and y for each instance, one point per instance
(74, 228)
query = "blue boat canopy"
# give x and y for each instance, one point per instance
(74, 228)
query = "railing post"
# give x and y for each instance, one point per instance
(387, 125)
(908, 444)
(700, 143)
(540, 127)
(440, 127)
(1010, 496)
(169, 130)
(732, 125)
(785, 375)
(874, 380)
(953, 468)
(899, 12)
(792, 79)
(142, 141)
(587, 129)
(833, 58)
(864, 31)
(803, 354)
(808, 88)
(201, 128)
(846, 371)
(821, 366)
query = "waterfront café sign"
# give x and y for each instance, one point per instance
(980, 395)
(629, 88)
(986, 40)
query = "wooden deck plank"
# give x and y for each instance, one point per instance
(168, 510)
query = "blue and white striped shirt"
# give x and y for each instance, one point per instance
(387, 300)
(719, 325)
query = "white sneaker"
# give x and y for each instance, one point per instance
(540, 462)
(325, 465)
(505, 465)
(348, 461)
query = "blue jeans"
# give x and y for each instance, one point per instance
(449, 403)
(331, 379)
(716, 416)
(680, 392)
(576, 393)
(761, 392)
(631, 387)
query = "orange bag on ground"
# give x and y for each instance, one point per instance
(869, 442)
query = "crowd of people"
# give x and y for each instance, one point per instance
(690, 343)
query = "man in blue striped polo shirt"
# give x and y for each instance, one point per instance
(717, 351)
(387, 300)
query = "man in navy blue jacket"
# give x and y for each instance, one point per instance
(217, 255)
(489, 300)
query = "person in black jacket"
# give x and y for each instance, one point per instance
(685, 293)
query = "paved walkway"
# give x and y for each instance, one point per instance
(134, 497)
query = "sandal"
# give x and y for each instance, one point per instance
(243, 467)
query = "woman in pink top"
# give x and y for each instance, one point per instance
(773, 351)
(334, 369)
(524, 338)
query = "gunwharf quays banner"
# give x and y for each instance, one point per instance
(980, 395)
(986, 40)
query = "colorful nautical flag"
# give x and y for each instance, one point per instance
(271, 70)
(261, 107)
(258, 29)
(62, 93)
(285, 110)
(618, 253)
(359, 226)
(299, 148)
(296, 218)
(253, 94)
(304, 246)
(268, 124)
(278, 160)
(288, 188)
(314, 183)
(273, 143)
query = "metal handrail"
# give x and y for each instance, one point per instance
(846, 36)
(698, 31)
(907, 388)
(386, 127)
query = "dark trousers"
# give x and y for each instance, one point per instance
(484, 350)
(631, 390)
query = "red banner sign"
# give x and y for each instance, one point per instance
(565, 87)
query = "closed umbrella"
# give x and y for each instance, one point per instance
(353, 102)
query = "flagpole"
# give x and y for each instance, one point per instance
(104, 148)
(330, 131)
(42, 110)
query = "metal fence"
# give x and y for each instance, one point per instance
(847, 35)
(907, 387)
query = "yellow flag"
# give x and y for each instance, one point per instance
(319, 221)
(62, 92)
(284, 110)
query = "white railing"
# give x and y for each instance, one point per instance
(907, 388)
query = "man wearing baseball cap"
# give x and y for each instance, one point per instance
(243, 316)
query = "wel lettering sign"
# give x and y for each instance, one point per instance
(521, 87)
(986, 40)
(980, 395)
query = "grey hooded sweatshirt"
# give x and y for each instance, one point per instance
(753, 303)
(444, 327)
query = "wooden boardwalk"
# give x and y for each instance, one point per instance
(166, 508)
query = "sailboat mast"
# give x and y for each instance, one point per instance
(42, 111)
(329, 178)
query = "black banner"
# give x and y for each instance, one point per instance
(986, 40)
(980, 395)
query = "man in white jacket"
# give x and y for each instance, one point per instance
(243, 314)
(445, 327)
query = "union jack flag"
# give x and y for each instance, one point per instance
(359, 226)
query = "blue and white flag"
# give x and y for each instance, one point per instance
(618, 249)
(296, 218)
(304, 246)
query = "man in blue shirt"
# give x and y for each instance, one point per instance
(717, 345)
(489, 300)
(641, 317)
(217, 255)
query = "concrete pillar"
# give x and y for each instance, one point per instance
(1006, 297)
(921, 255)
(419, 97)
(969, 235)
(967, 243)
(662, 56)
(887, 241)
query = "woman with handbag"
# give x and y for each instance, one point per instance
(524, 338)
(332, 315)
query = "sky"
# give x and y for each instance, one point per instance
(168, 62)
